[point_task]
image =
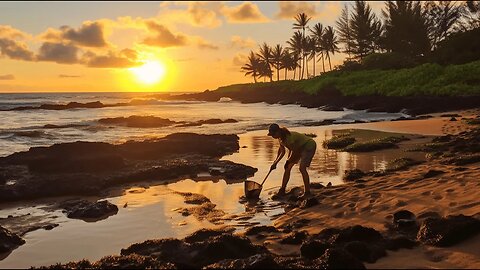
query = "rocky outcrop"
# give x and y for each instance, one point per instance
(9, 241)
(88, 168)
(89, 211)
(137, 121)
(448, 231)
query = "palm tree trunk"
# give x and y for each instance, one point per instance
(285, 74)
(255, 78)
(314, 64)
(307, 69)
(323, 63)
(294, 72)
(278, 74)
(329, 63)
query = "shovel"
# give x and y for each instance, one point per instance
(253, 189)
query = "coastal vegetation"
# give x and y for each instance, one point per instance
(383, 55)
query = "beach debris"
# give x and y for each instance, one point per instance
(448, 231)
(89, 211)
(9, 241)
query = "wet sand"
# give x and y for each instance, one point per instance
(153, 212)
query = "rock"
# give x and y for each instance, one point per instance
(50, 227)
(9, 241)
(294, 238)
(313, 249)
(348, 234)
(359, 249)
(258, 229)
(453, 119)
(316, 185)
(259, 261)
(429, 214)
(329, 184)
(88, 211)
(399, 242)
(197, 254)
(337, 258)
(138, 121)
(404, 219)
(351, 175)
(432, 173)
(309, 202)
(447, 231)
(202, 235)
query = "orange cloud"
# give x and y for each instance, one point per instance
(240, 59)
(289, 9)
(12, 48)
(246, 12)
(7, 31)
(163, 37)
(195, 13)
(90, 34)
(59, 53)
(7, 77)
(124, 59)
(242, 43)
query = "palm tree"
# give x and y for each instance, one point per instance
(296, 44)
(309, 51)
(302, 20)
(252, 67)
(265, 55)
(277, 55)
(330, 43)
(317, 34)
(264, 70)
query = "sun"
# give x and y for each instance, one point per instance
(149, 73)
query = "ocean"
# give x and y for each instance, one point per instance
(22, 129)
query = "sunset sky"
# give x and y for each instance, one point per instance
(142, 46)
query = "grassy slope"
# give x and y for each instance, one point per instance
(427, 79)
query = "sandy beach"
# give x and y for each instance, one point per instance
(370, 201)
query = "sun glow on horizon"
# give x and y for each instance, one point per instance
(151, 72)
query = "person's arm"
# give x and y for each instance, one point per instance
(280, 154)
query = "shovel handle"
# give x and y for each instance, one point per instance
(266, 177)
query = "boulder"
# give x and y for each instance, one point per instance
(88, 211)
(294, 238)
(9, 241)
(258, 229)
(448, 231)
(258, 261)
(337, 258)
(313, 249)
(404, 219)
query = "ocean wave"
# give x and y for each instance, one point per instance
(31, 134)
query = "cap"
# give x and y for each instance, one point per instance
(272, 129)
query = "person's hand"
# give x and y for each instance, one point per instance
(273, 167)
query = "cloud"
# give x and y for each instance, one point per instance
(203, 44)
(163, 37)
(15, 50)
(58, 53)
(68, 76)
(246, 12)
(124, 59)
(7, 31)
(7, 77)
(329, 11)
(289, 9)
(242, 43)
(240, 59)
(195, 13)
(90, 34)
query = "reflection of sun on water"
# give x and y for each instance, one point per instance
(149, 73)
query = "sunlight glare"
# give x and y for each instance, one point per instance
(150, 72)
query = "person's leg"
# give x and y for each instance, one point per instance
(305, 160)
(286, 177)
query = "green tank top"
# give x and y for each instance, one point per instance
(296, 141)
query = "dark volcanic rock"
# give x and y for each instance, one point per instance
(404, 218)
(313, 249)
(448, 231)
(309, 202)
(88, 211)
(258, 229)
(138, 121)
(202, 235)
(399, 242)
(433, 173)
(259, 261)
(208, 122)
(294, 238)
(336, 258)
(199, 253)
(9, 241)
(351, 175)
